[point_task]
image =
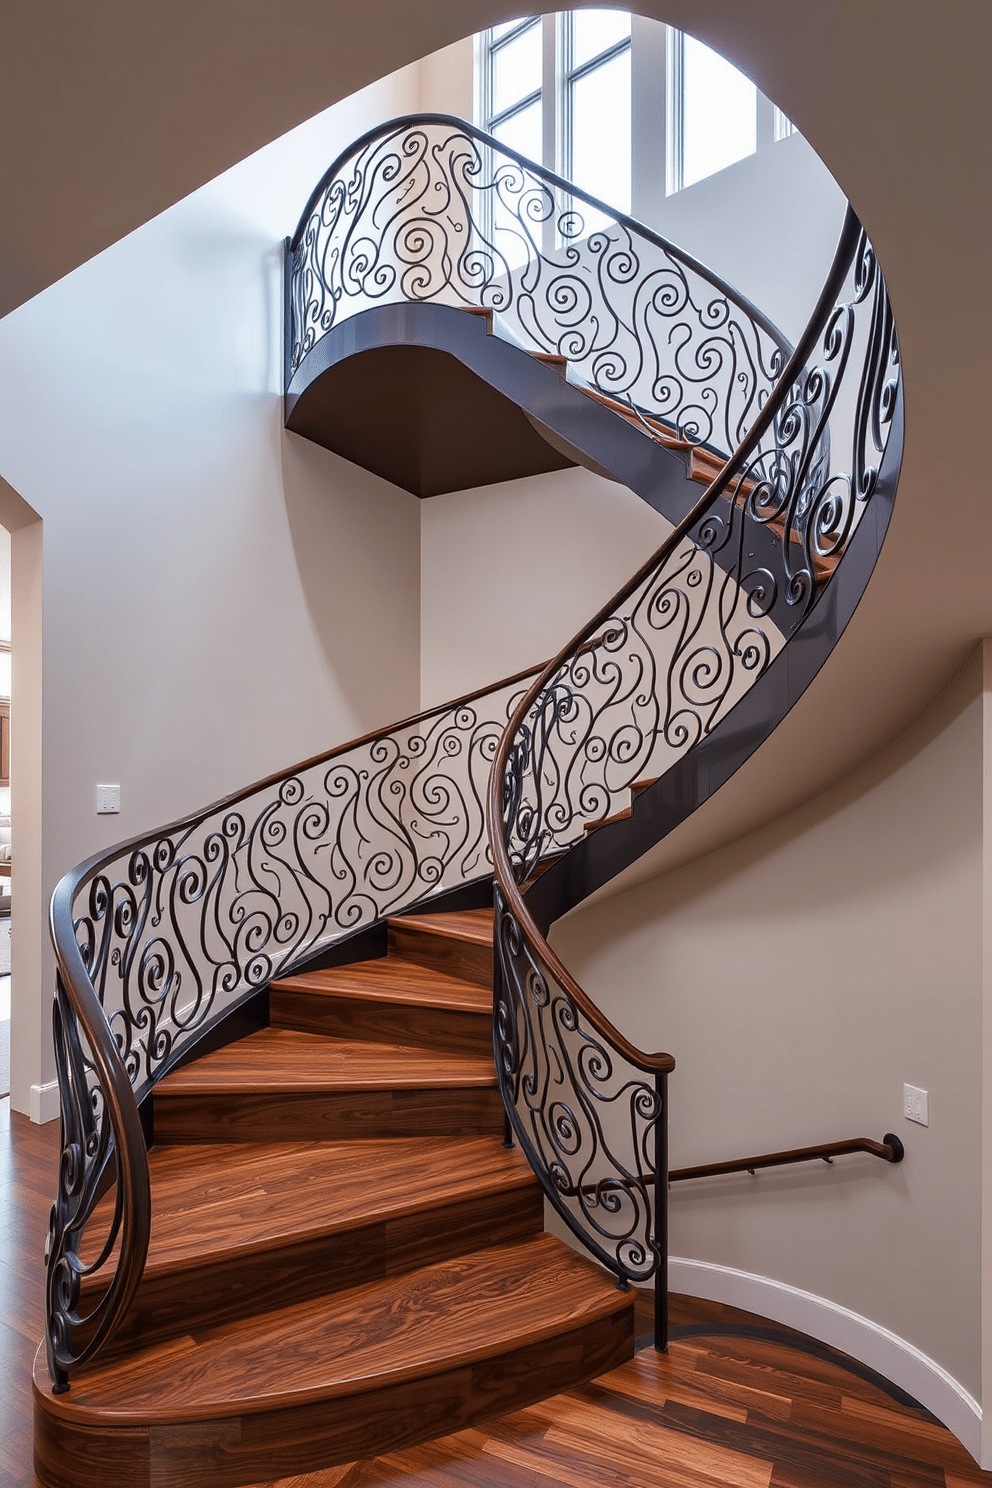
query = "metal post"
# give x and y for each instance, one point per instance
(661, 1215)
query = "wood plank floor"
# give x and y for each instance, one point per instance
(721, 1411)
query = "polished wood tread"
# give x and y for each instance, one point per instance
(678, 1408)
(284, 1059)
(441, 1317)
(392, 979)
(473, 925)
(388, 1001)
(716, 1412)
(215, 1202)
(458, 944)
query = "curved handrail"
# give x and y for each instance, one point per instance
(161, 936)
(428, 207)
(679, 648)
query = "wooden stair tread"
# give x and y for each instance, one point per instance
(286, 1060)
(472, 925)
(222, 1200)
(606, 821)
(443, 1316)
(392, 979)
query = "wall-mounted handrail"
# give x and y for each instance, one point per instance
(889, 1149)
(677, 695)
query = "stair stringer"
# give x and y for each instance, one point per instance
(646, 467)
(661, 806)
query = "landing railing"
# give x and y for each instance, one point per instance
(428, 208)
(161, 937)
(666, 691)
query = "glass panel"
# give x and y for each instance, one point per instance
(593, 31)
(522, 131)
(504, 28)
(601, 132)
(720, 113)
(516, 69)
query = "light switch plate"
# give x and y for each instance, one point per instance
(108, 799)
(916, 1104)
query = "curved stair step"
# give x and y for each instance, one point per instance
(459, 943)
(278, 1082)
(339, 1378)
(240, 1228)
(389, 1000)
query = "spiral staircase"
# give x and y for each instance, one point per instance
(310, 1120)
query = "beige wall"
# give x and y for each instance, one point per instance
(987, 1049)
(219, 598)
(510, 572)
(799, 976)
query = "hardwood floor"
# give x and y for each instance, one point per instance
(720, 1410)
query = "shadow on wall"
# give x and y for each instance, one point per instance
(800, 976)
(356, 542)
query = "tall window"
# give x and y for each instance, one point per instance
(512, 85)
(713, 112)
(595, 101)
(569, 91)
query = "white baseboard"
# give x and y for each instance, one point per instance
(888, 1354)
(43, 1104)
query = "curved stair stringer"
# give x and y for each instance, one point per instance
(659, 806)
(321, 399)
(250, 1359)
(645, 713)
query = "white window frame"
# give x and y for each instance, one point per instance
(657, 115)
(488, 118)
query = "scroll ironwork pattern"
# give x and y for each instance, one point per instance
(654, 673)
(429, 208)
(173, 930)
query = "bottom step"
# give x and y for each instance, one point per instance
(339, 1378)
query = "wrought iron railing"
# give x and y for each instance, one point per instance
(428, 208)
(666, 669)
(162, 936)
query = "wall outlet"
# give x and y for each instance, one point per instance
(916, 1104)
(108, 799)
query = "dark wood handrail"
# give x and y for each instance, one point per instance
(889, 1149)
(659, 1063)
(557, 183)
(78, 1007)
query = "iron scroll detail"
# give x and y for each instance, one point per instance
(429, 208)
(662, 671)
(159, 938)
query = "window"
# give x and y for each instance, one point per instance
(713, 113)
(512, 85)
(581, 92)
(595, 96)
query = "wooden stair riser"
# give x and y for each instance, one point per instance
(238, 1450)
(341, 1016)
(326, 1116)
(459, 958)
(198, 1297)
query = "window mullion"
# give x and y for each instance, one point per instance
(675, 153)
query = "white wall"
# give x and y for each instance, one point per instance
(220, 598)
(725, 221)
(510, 572)
(799, 977)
